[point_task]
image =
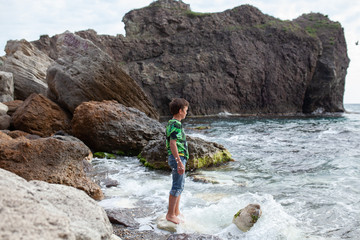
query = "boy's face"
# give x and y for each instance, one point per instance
(183, 112)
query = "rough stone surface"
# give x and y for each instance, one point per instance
(82, 72)
(326, 89)
(3, 109)
(39, 115)
(202, 154)
(38, 210)
(122, 217)
(56, 159)
(239, 61)
(108, 126)
(247, 217)
(6, 86)
(5, 121)
(28, 66)
(13, 105)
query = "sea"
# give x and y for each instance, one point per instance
(303, 171)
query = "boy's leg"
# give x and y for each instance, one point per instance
(170, 216)
(177, 206)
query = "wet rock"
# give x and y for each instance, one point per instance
(202, 154)
(109, 126)
(28, 66)
(39, 210)
(56, 159)
(122, 217)
(83, 72)
(245, 218)
(6, 87)
(13, 105)
(166, 225)
(39, 115)
(108, 182)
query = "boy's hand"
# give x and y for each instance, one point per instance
(180, 168)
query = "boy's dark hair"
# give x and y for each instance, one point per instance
(176, 104)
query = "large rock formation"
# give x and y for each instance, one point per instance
(110, 126)
(57, 159)
(6, 87)
(39, 115)
(28, 66)
(39, 210)
(82, 72)
(239, 61)
(326, 89)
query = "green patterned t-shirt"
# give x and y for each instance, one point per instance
(174, 131)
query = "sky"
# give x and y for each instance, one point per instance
(24, 19)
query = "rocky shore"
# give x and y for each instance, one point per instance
(66, 97)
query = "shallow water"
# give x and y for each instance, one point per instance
(304, 172)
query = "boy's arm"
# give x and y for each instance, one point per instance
(175, 153)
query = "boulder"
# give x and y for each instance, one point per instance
(109, 126)
(28, 66)
(202, 154)
(6, 86)
(12, 106)
(239, 61)
(56, 159)
(39, 115)
(3, 109)
(83, 72)
(5, 121)
(38, 210)
(122, 217)
(245, 218)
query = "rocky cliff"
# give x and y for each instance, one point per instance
(239, 61)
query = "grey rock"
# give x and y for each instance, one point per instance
(28, 66)
(122, 217)
(38, 210)
(5, 121)
(3, 109)
(6, 86)
(239, 61)
(185, 236)
(83, 72)
(245, 218)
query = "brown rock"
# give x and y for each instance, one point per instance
(13, 105)
(17, 134)
(39, 115)
(56, 159)
(109, 126)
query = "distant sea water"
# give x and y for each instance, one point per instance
(304, 172)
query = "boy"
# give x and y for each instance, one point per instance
(178, 154)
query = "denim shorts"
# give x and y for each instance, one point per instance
(178, 180)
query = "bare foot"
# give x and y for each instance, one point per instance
(172, 219)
